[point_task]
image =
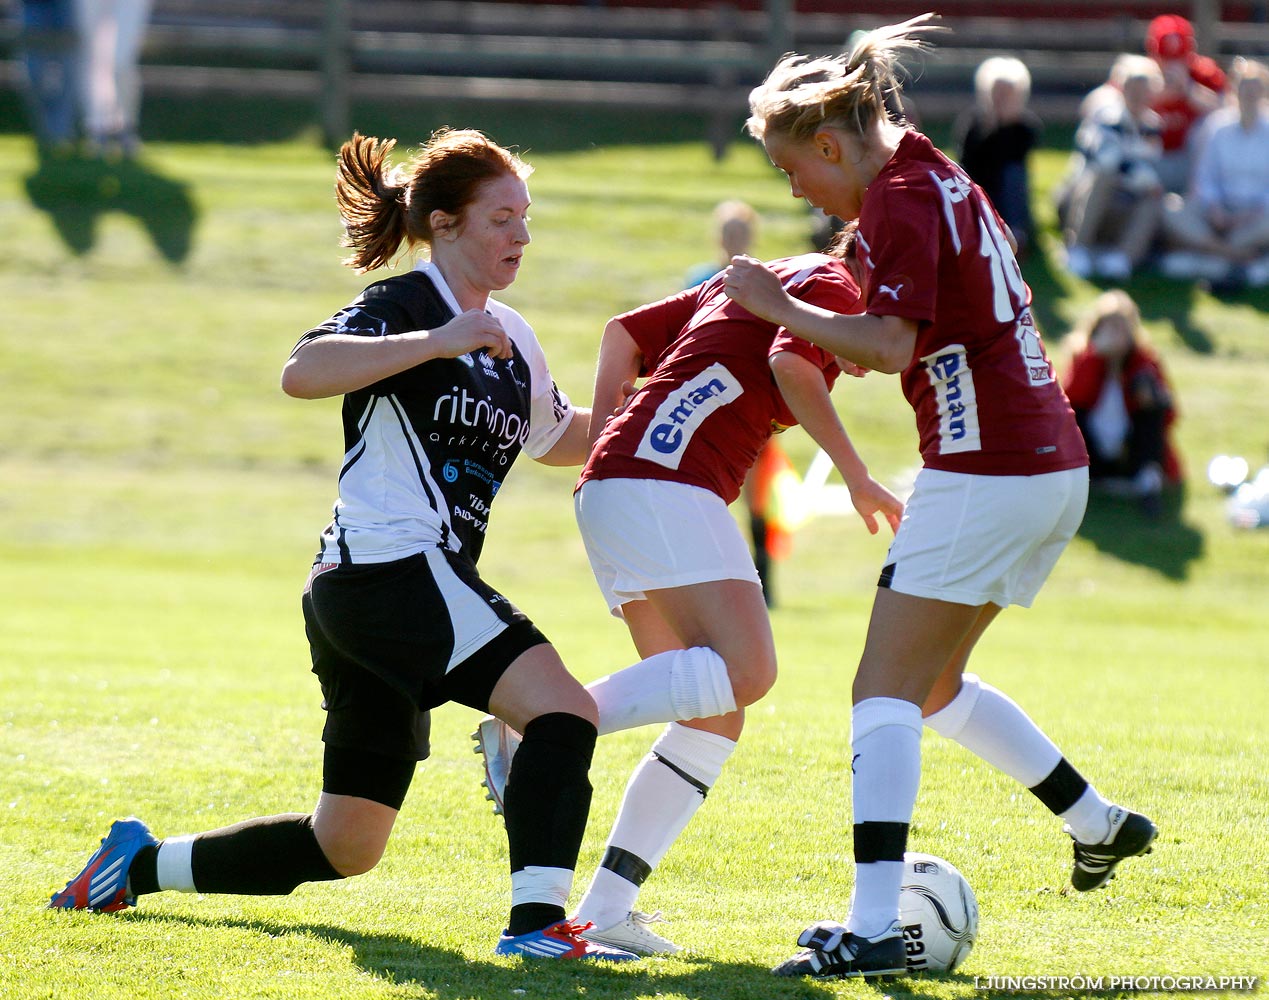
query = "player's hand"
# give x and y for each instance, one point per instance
(870, 498)
(627, 393)
(473, 330)
(850, 368)
(755, 286)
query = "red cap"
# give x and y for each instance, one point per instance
(1170, 36)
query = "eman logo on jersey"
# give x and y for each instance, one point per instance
(957, 403)
(683, 411)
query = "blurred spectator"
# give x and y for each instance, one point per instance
(1192, 88)
(111, 33)
(50, 61)
(1111, 202)
(735, 228)
(1222, 226)
(1122, 402)
(995, 138)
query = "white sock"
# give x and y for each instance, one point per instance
(679, 684)
(1089, 818)
(659, 802)
(173, 866)
(886, 743)
(539, 884)
(987, 722)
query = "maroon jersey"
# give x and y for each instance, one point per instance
(984, 392)
(709, 401)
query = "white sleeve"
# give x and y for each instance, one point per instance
(550, 410)
(1206, 181)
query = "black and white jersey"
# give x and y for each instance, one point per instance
(427, 449)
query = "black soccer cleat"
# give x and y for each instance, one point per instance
(835, 953)
(1130, 835)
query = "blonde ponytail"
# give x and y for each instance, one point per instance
(849, 91)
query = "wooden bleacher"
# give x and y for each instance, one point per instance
(698, 58)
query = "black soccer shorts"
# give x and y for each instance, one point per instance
(392, 640)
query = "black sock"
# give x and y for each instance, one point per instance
(142, 874)
(528, 917)
(547, 801)
(268, 856)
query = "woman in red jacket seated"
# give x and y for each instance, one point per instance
(1122, 401)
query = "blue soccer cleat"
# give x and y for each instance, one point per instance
(103, 884)
(560, 940)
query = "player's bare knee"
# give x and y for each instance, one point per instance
(751, 680)
(576, 700)
(353, 858)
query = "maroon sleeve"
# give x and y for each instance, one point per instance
(902, 236)
(828, 290)
(657, 325)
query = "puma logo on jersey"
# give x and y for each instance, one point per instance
(892, 292)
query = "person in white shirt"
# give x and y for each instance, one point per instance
(1221, 228)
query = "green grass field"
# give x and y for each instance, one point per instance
(161, 504)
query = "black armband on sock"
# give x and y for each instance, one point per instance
(629, 866)
(1061, 789)
(880, 842)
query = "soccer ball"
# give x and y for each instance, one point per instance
(937, 913)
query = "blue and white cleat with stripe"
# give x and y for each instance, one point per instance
(103, 884)
(560, 940)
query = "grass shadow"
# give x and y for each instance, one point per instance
(1166, 544)
(76, 191)
(448, 975)
(1162, 299)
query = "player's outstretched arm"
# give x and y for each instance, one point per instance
(880, 343)
(615, 372)
(337, 363)
(803, 388)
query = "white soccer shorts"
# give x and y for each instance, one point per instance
(651, 534)
(975, 540)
